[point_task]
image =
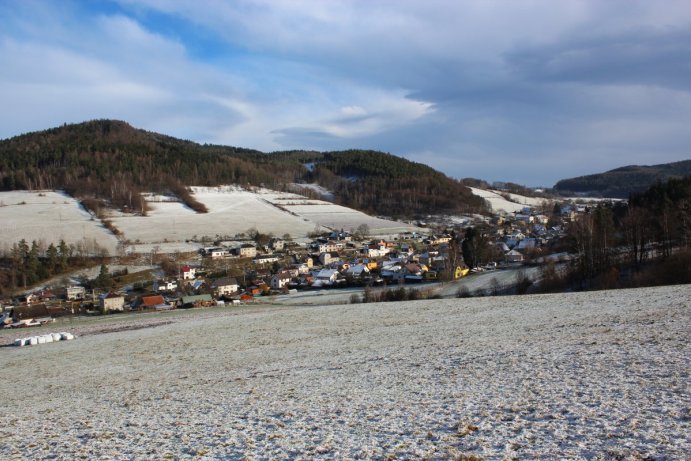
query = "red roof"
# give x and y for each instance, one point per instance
(153, 300)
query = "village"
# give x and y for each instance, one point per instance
(260, 267)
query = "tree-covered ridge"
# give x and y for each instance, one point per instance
(382, 183)
(621, 182)
(106, 162)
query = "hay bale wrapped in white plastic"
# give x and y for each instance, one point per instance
(56, 336)
(19, 342)
(33, 340)
(48, 338)
(40, 339)
(67, 336)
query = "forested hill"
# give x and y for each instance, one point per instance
(621, 182)
(107, 162)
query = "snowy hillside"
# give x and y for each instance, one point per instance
(583, 376)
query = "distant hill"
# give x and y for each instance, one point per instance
(621, 182)
(109, 163)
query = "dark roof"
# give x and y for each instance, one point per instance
(224, 281)
(36, 311)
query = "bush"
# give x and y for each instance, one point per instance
(463, 292)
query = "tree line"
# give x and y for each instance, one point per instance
(108, 163)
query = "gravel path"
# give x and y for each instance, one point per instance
(600, 375)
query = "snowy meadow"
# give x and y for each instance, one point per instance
(597, 375)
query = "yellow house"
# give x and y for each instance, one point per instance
(371, 265)
(460, 272)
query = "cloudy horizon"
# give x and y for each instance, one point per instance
(526, 91)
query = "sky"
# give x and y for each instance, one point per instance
(527, 91)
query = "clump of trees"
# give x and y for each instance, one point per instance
(391, 295)
(26, 264)
(644, 242)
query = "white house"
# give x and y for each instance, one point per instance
(326, 277)
(246, 250)
(75, 293)
(165, 285)
(188, 272)
(280, 280)
(328, 247)
(111, 302)
(265, 259)
(218, 253)
(225, 286)
(277, 244)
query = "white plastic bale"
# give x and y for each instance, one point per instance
(56, 336)
(48, 338)
(40, 340)
(33, 341)
(19, 342)
(67, 336)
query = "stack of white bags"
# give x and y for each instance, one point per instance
(43, 339)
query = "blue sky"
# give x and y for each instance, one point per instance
(529, 91)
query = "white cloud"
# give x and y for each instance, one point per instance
(462, 84)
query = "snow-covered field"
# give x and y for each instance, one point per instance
(233, 210)
(500, 204)
(593, 376)
(52, 216)
(49, 216)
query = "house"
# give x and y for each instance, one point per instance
(265, 259)
(514, 256)
(196, 285)
(326, 277)
(111, 302)
(414, 269)
(31, 298)
(225, 286)
(372, 252)
(325, 258)
(277, 244)
(38, 313)
(301, 269)
(340, 235)
(357, 270)
(215, 252)
(526, 244)
(204, 300)
(188, 272)
(541, 219)
(246, 250)
(438, 239)
(153, 302)
(460, 271)
(392, 271)
(280, 280)
(75, 293)
(328, 246)
(526, 218)
(165, 285)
